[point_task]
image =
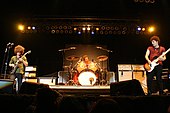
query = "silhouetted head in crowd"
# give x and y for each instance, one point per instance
(47, 100)
(106, 105)
(71, 105)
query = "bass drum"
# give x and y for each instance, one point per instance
(87, 78)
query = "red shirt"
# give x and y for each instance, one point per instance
(155, 53)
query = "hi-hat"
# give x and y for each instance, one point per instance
(102, 58)
(71, 58)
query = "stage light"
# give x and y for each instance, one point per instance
(57, 31)
(123, 32)
(75, 29)
(52, 31)
(88, 28)
(70, 31)
(33, 27)
(29, 27)
(92, 32)
(97, 29)
(83, 28)
(21, 27)
(65, 27)
(151, 29)
(143, 29)
(139, 28)
(60, 27)
(79, 32)
(103, 28)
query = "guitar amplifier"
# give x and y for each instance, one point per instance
(124, 72)
(63, 77)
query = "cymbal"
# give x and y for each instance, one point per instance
(71, 58)
(102, 58)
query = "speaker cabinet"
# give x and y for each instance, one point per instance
(63, 77)
(48, 80)
(126, 88)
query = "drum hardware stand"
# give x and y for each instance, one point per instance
(102, 79)
(103, 58)
(70, 71)
(70, 74)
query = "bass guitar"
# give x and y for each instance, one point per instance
(16, 64)
(149, 67)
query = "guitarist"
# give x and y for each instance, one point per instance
(152, 53)
(20, 66)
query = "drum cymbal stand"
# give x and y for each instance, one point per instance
(70, 71)
(102, 73)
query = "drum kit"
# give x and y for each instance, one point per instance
(81, 74)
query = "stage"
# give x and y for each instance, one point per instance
(82, 90)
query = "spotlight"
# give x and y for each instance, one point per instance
(139, 28)
(52, 31)
(29, 27)
(92, 32)
(97, 29)
(88, 28)
(79, 32)
(33, 27)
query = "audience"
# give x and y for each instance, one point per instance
(47, 101)
(71, 105)
(106, 105)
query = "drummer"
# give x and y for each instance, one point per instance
(86, 61)
(83, 65)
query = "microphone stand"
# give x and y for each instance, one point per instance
(5, 60)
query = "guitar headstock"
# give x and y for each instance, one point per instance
(28, 52)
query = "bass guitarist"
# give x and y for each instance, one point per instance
(154, 55)
(18, 63)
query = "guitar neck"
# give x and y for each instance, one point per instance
(163, 54)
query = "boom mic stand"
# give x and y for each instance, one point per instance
(6, 59)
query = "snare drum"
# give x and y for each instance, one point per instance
(87, 77)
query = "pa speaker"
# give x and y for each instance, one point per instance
(30, 87)
(6, 86)
(126, 88)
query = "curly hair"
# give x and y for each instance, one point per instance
(84, 56)
(19, 48)
(155, 38)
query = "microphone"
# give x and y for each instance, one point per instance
(60, 50)
(72, 47)
(109, 51)
(98, 47)
(10, 44)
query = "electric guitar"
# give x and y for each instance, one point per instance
(149, 67)
(16, 64)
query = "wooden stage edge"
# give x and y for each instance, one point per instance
(81, 90)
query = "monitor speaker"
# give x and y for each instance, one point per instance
(30, 87)
(6, 86)
(126, 88)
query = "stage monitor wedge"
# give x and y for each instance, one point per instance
(6, 86)
(126, 88)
